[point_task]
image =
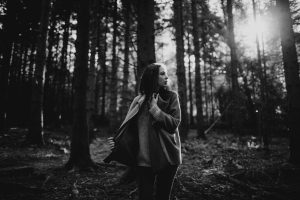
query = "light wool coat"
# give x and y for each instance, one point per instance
(166, 117)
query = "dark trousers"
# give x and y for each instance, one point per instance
(156, 186)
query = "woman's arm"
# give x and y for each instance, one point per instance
(171, 120)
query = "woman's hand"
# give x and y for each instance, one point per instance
(111, 143)
(153, 101)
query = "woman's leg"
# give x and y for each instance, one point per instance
(164, 183)
(145, 181)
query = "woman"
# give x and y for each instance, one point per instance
(148, 139)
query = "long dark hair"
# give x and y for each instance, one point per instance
(149, 81)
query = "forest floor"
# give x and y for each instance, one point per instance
(223, 167)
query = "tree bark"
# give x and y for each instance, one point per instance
(49, 86)
(125, 89)
(35, 132)
(234, 67)
(145, 35)
(212, 118)
(102, 48)
(6, 50)
(91, 82)
(114, 79)
(181, 79)
(198, 85)
(190, 84)
(291, 72)
(80, 153)
(61, 104)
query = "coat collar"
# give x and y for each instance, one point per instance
(141, 99)
(137, 105)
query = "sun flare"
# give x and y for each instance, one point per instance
(254, 28)
(248, 31)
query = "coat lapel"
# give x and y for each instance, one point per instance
(134, 110)
(162, 104)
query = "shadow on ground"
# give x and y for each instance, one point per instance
(222, 167)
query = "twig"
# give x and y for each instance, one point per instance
(132, 192)
(46, 180)
(214, 123)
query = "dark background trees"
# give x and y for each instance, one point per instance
(291, 71)
(247, 83)
(70, 69)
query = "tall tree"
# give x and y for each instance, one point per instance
(24, 64)
(204, 27)
(61, 104)
(211, 48)
(92, 74)
(190, 83)
(198, 85)
(262, 77)
(291, 72)
(35, 133)
(145, 34)
(125, 89)
(178, 22)
(114, 79)
(234, 65)
(102, 48)
(6, 49)
(48, 96)
(80, 153)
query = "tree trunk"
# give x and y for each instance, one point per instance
(250, 104)
(49, 86)
(102, 48)
(291, 71)
(262, 120)
(31, 61)
(145, 35)
(204, 8)
(205, 87)
(80, 153)
(91, 82)
(56, 77)
(125, 89)
(233, 69)
(190, 84)
(114, 79)
(24, 65)
(35, 132)
(198, 85)
(181, 79)
(6, 50)
(212, 118)
(61, 110)
(20, 63)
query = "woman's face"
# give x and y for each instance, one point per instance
(162, 76)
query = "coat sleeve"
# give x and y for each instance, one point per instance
(171, 120)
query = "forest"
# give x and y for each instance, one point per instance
(69, 71)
